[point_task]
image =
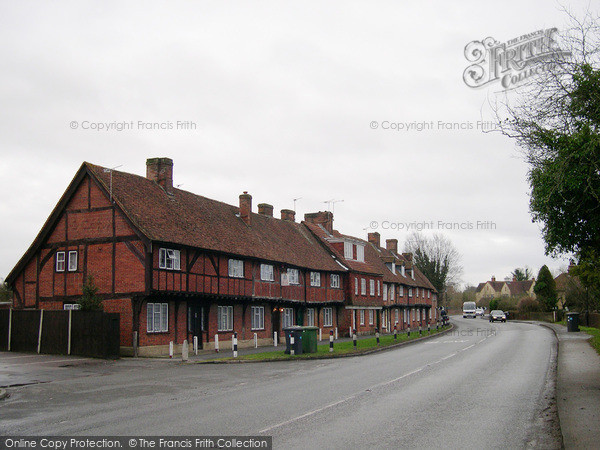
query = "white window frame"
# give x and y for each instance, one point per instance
(310, 317)
(392, 293)
(169, 259)
(428, 294)
(372, 288)
(287, 316)
(417, 293)
(157, 317)
(385, 292)
(258, 317)
(405, 315)
(293, 276)
(315, 279)
(403, 270)
(71, 306)
(397, 316)
(348, 250)
(410, 292)
(378, 288)
(60, 262)
(418, 315)
(224, 318)
(363, 286)
(371, 317)
(72, 261)
(327, 317)
(267, 272)
(362, 316)
(335, 280)
(235, 268)
(355, 285)
(360, 253)
(401, 290)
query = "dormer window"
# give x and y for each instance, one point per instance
(360, 253)
(350, 250)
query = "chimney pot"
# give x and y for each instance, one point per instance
(245, 207)
(493, 278)
(160, 170)
(375, 239)
(288, 214)
(265, 209)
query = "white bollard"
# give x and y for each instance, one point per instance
(171, 349)
(234, 342)
(320, 334)
(274, 338)
(255, 340)
(217, 343)
(336, 333)
(196, 345)
(185, 351)
(350, 332)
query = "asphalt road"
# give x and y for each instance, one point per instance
(481, 386)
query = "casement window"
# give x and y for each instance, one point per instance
(363, 286)
(401, 291)
(397, 314)
(429, 313)
(287, 317)
(236, 268)
(418, 315)
(392, 293)
(293, 276)
(385, 292)
(348, 250)
(157, 317)
(327, 317)
(428, 294)
(169, 259)
(405, 314)
(417, 293)
(414, 314)
(315, 279)
(335, 280)
(224, 318)
(355, 285)
(72, 266)
(378, 288)
(360, 253)
(60, 261)
(362, 316)
(402, 271)
(310, 317)
(266, 272)
(371, 315)
(410, 292)
(258, 317)
(372, 288)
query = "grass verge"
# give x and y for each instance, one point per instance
(595, 333)
(340, 348)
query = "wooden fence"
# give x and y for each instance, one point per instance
(84, 333)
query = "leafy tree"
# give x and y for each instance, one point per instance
(89, 301)
(494, 304)
(579, 297)
(437, 258)
(557, 124)
(521, 274)
(545, 289)
(528, 304)
(5, 292)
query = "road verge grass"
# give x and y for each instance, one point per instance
(345, 348)
(595, 333)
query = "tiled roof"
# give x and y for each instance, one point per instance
(480, 287)
(191, 220)
(519, 287)
(327, 239)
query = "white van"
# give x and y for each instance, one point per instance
(469, 310)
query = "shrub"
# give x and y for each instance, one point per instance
(528, 304)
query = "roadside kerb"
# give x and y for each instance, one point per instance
(323, 356)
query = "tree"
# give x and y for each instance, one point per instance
(545, 289)
(437, 258)
(89, 301)
(5, 292)
(521, 274)
(557, 124)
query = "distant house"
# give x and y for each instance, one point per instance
(176, 265)
(563, 281)
(495, 289)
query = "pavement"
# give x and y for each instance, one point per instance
(578, 389)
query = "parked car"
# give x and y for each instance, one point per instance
(497, 315)
(479, 311)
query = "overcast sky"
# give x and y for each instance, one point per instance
(282, 96)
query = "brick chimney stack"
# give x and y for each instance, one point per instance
(160, 170)
(375, 239)
(265, 209)
(493, 278)
(408, 256)
(288, 214)
(392, 245)
(324, 218)
(245, 207)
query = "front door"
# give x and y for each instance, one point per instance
(196, 322)
(275, 321)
